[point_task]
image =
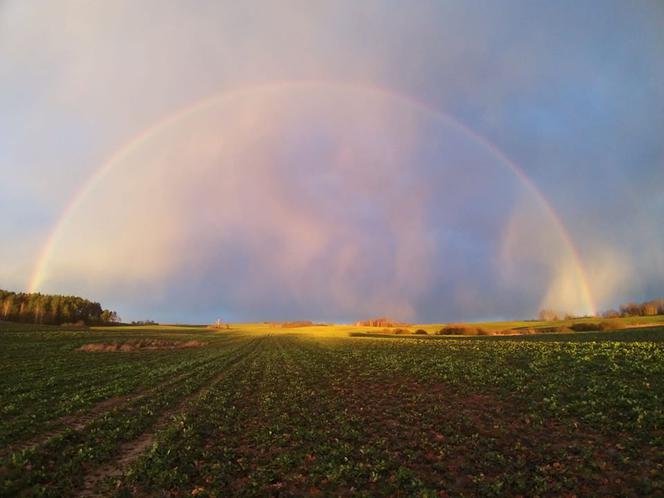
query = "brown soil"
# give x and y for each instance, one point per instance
(443, 435)
(138, 345)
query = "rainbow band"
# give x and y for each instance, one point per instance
(151, 132)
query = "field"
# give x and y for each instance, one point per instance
(259, 411)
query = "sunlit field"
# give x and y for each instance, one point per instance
(339, 248)
(257, 410)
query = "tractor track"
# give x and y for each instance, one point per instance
(130, 451)
(80, 421)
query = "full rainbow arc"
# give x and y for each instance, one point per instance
(153, 131)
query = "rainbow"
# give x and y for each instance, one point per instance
(153, 131)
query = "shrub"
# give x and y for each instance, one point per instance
(585, 327)
(461, 329)
(523, 331)
(598, 326)
(611, 325)
(549, 330)
(401, 331)
(421, 332)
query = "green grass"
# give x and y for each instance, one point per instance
(262, 411)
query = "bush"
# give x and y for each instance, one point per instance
(461, 329)
(421, 332)
(598, 326)
(401, 331)
(550, 330)
(612, 325)
(585, 327)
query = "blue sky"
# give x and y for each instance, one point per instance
(333, 200)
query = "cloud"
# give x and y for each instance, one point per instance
(325, 202)
(308, 200)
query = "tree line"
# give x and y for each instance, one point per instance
(50, 309)
(646, 308)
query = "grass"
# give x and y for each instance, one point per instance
(314, 411)
(516, 326)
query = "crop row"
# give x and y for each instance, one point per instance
(364, 417)
(75, 381)
(58, 467)
(614, 386)
(294, 414)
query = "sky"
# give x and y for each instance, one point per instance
(429, 161)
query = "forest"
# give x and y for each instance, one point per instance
(50, 309)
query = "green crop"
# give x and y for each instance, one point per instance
(259, 412)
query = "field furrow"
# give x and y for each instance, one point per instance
(267, 413)
(80, 421)
(130, 451)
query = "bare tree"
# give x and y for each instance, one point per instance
(547, 315)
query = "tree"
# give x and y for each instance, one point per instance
(547, 315)
(52, 309)
(630, 309)
(611, 314)
(649, 309)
